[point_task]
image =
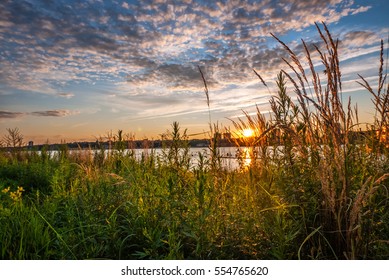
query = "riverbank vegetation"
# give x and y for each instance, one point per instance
(306, 189)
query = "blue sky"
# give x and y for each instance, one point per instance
(75, 70)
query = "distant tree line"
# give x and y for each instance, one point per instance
(15, 140)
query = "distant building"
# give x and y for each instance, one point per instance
(30, 143)
(227, 136)
(217, 136)
(146, 143)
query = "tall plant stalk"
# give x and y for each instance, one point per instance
(318, 129)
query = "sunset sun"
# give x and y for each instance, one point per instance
(248, 132)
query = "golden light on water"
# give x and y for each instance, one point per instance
(246, 157)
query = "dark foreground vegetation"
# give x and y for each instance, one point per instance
(309, 191)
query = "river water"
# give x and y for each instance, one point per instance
(231, 158)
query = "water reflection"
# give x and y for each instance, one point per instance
(246, 157)
(231, 158)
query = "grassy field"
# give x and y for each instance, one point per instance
(322, 195)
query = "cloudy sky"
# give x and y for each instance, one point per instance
(75, 70)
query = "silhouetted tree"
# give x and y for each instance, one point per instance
(14, 138)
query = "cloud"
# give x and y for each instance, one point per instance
(49, 45)
(10, 115)
(360, 10)
(171, 77)
(125, 5)
(162, 28)
(54, 113)
(360, 38)
(66, 95)
(49, 113)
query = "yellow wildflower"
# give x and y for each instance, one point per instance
(5, 190)
(16, 195)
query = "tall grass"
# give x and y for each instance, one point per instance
(314, 188)
(316, 133)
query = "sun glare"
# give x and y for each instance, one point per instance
(248, 132)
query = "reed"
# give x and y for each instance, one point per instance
(318, 129)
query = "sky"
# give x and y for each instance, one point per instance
(77, 70)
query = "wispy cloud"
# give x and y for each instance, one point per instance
(49, 113)
(10, 115)
(54, 113)
(66, 95)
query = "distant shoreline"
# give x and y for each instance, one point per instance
(134, 144)
(356, 137)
